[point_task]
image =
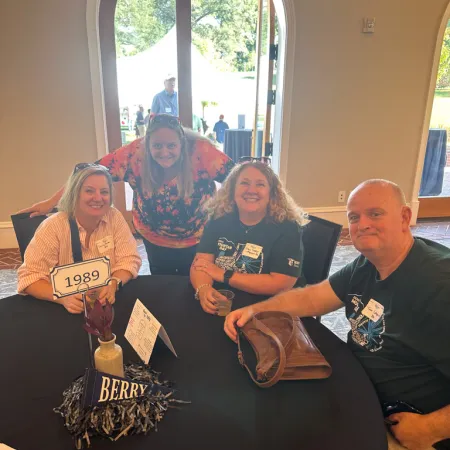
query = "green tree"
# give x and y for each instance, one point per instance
(443, 77)
(228, 29)
(138, 26)
(223, 30)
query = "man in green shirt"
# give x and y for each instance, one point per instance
(397, 300)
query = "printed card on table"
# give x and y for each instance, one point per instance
(143, 329)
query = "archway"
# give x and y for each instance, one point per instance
(433, 205)
(100, 27)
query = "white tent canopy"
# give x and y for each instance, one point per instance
(142, 76)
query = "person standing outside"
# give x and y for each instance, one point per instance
(197, 125)
(219, 129)
(140, 121)
(147, 118)
(166, 101)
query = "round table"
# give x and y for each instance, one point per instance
(434, 163)
(238, 142)
(43, 348)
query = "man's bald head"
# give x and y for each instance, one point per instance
(379, 219)
(394, 189)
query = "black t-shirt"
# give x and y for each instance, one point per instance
(263, 248)
(405, 347)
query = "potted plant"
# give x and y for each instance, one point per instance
(108, 356)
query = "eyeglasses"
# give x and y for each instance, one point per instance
(263, 159)
(166, 119)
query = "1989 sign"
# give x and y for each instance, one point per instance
(76, 280)
(73, 278)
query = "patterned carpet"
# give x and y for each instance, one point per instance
(10, 258)
(438, 231)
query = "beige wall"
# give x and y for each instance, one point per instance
(358, 100)
(46, 116)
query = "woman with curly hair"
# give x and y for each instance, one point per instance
(253, 240)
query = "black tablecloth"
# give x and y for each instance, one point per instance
(238, 143)
(43, 348)
(434, 164)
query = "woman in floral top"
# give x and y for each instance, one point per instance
(172, 173)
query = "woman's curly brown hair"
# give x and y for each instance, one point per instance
(281, 205)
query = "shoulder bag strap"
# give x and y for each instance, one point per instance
(76, 244)
(282, 360)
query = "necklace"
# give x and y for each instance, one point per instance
(247, 228)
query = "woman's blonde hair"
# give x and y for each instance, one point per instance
(69, 200)
(152, 174)
(281, 205)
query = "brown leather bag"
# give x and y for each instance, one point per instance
(284, 350)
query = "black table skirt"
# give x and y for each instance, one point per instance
(434, 163)
(237, 143)
(43, 348)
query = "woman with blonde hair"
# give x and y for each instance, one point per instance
(253, 240)
(87, 204)
(172, 173)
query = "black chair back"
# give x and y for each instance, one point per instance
(320, 238)
(25, 227)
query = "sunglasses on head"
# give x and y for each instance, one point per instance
(82, 166)
(165, 119)
(263, 159)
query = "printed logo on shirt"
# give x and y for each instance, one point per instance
(293, 262)
(234, 257)
(365, 332)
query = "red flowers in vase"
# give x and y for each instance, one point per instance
(98, 320)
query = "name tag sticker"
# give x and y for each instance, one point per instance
(89, 274)
(373, 310)
(252, 251)
(168, 110)
(105, 244)
(143, 329)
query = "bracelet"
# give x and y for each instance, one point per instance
(118, 281)
(197, 291)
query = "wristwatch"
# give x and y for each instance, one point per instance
(227, 275)
(119, 283)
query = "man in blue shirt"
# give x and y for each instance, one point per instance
(166, 102)
(219, 129)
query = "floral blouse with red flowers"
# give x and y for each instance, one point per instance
(164, 218)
